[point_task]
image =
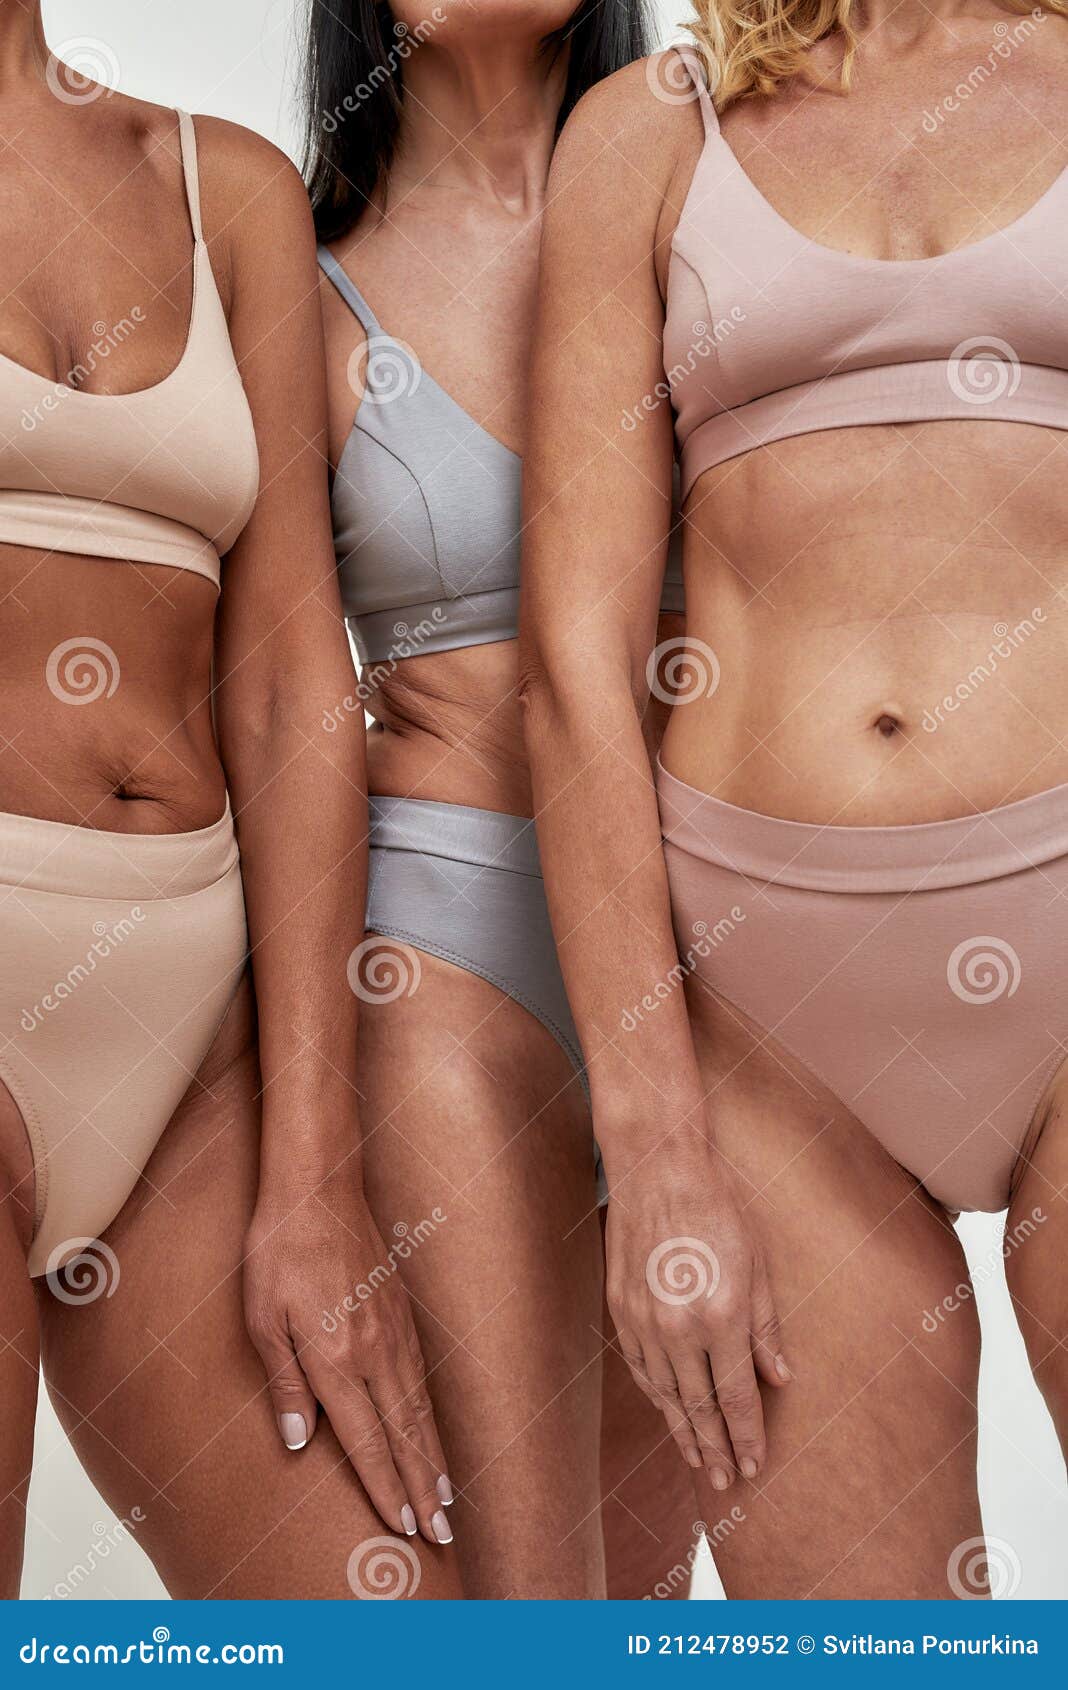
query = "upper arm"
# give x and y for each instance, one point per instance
(279, 579)
(597, 474)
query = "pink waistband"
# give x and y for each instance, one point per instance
(918, 857)
(917, 392)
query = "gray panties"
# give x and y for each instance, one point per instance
(466, 886)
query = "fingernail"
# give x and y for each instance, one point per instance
(441, 1528)
(294, 1431)
(445, 1491)
(408, 1520)
(693, 1457)
(782, 1370)
(749, 1467)
(720, 1478)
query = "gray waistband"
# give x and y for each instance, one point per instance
(417, 630)
(486, 838)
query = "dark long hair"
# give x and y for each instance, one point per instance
(353, 87)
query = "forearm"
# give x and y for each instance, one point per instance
(299, 796)
(599, 834)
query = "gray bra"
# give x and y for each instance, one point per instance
(426, 511)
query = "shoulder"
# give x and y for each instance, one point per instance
(244, 177)
(638, 123)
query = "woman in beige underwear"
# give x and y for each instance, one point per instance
(850, 278)
(166, 1179)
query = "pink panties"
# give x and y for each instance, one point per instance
(920, 972)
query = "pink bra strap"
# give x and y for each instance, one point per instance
(192, 174)
(691, 58)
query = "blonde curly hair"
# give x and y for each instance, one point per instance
(754, 46)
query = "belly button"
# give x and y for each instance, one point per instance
(887, 724)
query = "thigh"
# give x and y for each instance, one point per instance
(1036, 1255)
(165, 1399)
(479, 1144)
(18, 1342)
(870, 1487)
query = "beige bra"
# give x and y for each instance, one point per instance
(167, 475)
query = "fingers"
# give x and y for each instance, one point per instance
(295, 1408)
(664, 1392)
(358, 1428)
(738, 1396)
(701, 1408)
(768, 1354)
(407, 1417)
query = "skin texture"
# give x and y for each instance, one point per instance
(471, 1105)
(841, 578)
(148, 762)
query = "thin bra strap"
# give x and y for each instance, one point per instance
(692, 60)
(348, 290)
(192, 174)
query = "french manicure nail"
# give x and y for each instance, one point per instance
(293, 1429)
(408, 1520)
(782, 1370)
(445, 1495)
(441, 1528)
(693, 1457)
(720, 1478)
(749, 1467)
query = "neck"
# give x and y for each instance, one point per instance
(22, 40)
(919, 17)
(480, 116)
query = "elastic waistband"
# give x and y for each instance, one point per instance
(420, 630)
(482, 838)
(918, 857)
(59, 522)
(45, 856)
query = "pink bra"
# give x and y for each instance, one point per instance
(166, 475)
(769, 334)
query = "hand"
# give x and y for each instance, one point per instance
(689, 1294)
(329, 1316)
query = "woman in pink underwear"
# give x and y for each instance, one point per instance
(820, 987)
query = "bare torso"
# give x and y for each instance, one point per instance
(850, 581)
(102, 262)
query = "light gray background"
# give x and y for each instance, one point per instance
(235, 59)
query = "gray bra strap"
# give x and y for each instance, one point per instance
(348, 290)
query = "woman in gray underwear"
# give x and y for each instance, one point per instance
(428, 185)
